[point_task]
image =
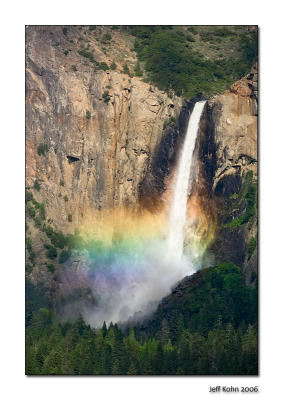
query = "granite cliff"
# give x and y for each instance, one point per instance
(99, 138)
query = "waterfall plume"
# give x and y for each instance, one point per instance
(182, 187)
(131, 269)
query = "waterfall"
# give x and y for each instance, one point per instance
(182, 188)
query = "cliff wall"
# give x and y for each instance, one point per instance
(99, 138)
(229, 162)
(98, 130)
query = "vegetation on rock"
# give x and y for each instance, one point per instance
(193, 64)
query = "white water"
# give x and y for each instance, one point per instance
(178, 210)
(132, 285)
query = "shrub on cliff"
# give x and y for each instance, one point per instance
(113, 66)
(36, 185)
(51, 251)
(172, 62)
(106, 97)
(42, 149)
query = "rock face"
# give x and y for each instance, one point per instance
(228, 151)
(234, 119)
(98, 139)
(98, 130)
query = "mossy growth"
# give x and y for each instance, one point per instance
(106, 38)
(98, 65)
(170, 122)
(113, 66)
(64, 256)
(42, 149)
(251, 246)
(138, 70)
(36, 185)
(126, 70)
(50, 268)
(106, 97)
(249, 197)
(51, 251)
(28, 268)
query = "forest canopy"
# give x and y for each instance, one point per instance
(195, 61)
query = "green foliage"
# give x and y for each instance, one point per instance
(192, 29)
(172, 64)
(188, 341)
(98, 65)
(65, 31)
(58, 239)
(36, 185)
(251, 246)
(253, 277)
(70, 218)
(138, 70)
(40, 207)
(113, 66)
(87, 114)
(106, 97)
(92, 28)
(29, 196)
(29, 268)
(126, 69)
(106, 38)
(35, 299)
(62, 183)
(28, 243)
(66, 52)
(29, 249)
(37, 222)
(172, 121)
(103, 66)
(190, 38)
(42, 149)
(66, 198)
(64, 256)
(50, 268)
(30, 211)
(85, 53)
(249, 46)
(51, 251)
(250, 197)
(222, 293)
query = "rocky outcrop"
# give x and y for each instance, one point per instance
(90, 134)
(98, 139)
(228, 154)
(234, 114)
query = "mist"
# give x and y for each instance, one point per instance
(132, 284)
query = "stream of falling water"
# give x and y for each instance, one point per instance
(178, 209)
(131, 276)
